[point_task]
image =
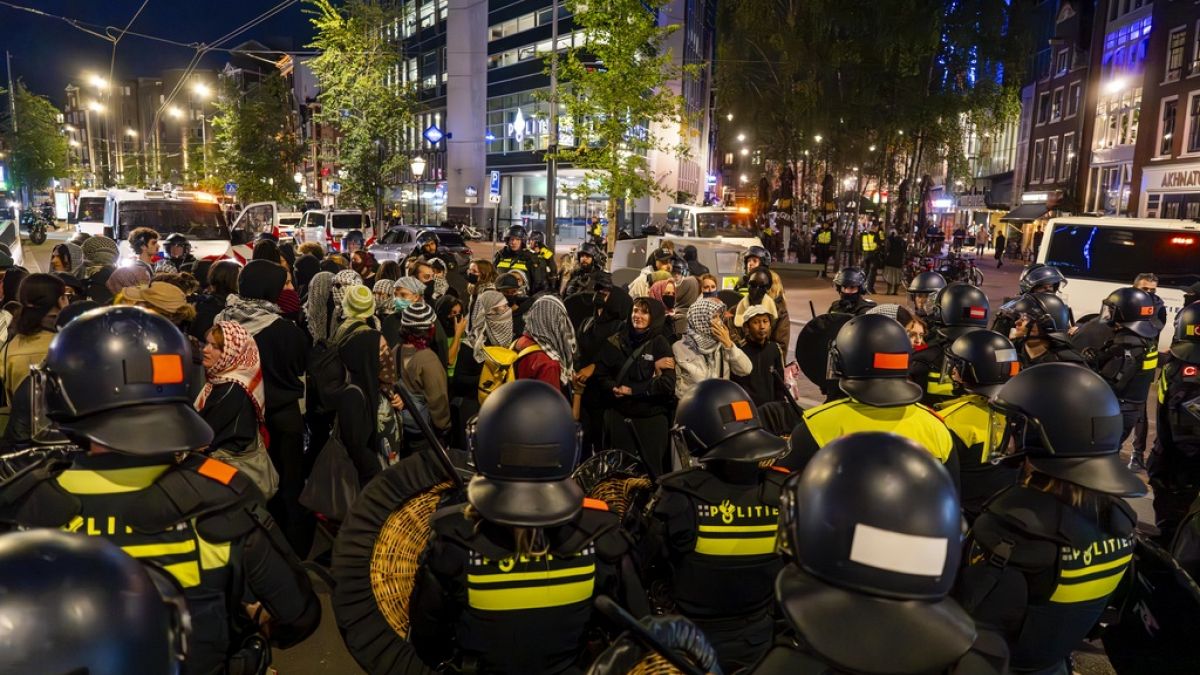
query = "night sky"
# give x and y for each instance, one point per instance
(47, 53)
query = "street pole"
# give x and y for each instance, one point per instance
(12, 91)
(204, 140)
(87, 125)
(551, 160)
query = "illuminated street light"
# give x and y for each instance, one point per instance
(1115, 86)
(729, 117)
(901, 132)
(95, 107)
(97, 82)
(202, 90)
(73, 143)
(848, 182)
(744, 178)
(174, 112)
(818, 138)
(131, 133)
(745, 152)
(68, 128)
(872, 148)
(741, 138)
(418, 166)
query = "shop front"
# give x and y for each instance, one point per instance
(1027, 222)
(1171, 192)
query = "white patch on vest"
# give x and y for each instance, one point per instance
(1006, 355)
(898, 552)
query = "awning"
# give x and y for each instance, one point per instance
(1026, 212)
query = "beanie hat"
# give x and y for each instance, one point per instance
(359, 303)
(99, 250)
(417, 316)
(261, 280)
(411, 284)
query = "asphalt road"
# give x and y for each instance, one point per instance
(324, 652)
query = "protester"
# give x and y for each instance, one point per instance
(126, 277)
(420, 368)
(707, 350)
(100, 259)
(548, 327)
(166, 300)
(709, 286)
(39, 299)
(764, 382)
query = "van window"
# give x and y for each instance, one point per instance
(313, 219)
(91, 209)
(346, 221)
(676, 218)
(195, 220)
(1118, 254)
(724, 225)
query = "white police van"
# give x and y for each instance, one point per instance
(89, 212)
(196, 215)
(1100, 255)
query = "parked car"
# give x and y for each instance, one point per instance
(270, 218)
(398, 242)
(329, 227)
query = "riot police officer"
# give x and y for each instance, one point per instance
(870, 358)
(514, 257)
(545, 258)
(1045, 555)
(427, 250)
(870, 535)
(922, 289)
(851, 285)
(871, 243)
(1174, 466)
(1040, 278)
(1127, 360)
(78, 604)
(115, 383)
(508, 580)
(589, 270)
(754, 258)
(713, 526)
(822, 243)
(957, 309)
(1039, 325)
(978, 363)
(179, 252)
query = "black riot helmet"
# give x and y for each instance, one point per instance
(537, 237)
(177, 239)
(588, 248)
(1133, 309)
(850, 276)
(1067, 421)
(118, 376)
(525, 445)
(718, 420)
(1039, 274)
(869, 357)
(426, 237)
(958, 308)
(516, 232)
(871, 533)
(679, 266)
(79, 604)
(756, 251)
(1048, 311)
(985, 360)
(1186, 346)
(926, 283)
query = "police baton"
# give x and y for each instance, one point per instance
(638, 632)
(439, 450)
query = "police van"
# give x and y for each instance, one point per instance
(195, 215)
(729, 225)
(1100, 255)
(88, 217)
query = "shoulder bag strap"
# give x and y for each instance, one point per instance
(630, 361)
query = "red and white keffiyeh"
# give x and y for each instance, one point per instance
(239, 364)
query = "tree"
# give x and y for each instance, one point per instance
(38, 147)
(254, 142)
(359, 98)
(617, 91)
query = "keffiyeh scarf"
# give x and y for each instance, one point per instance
(550, 326)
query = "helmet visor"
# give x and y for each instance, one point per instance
(43, 431)
(1005, 436)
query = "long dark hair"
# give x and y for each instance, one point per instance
(38, 297)
(223, 277)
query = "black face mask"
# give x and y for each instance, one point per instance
(472, 278)
(668, 301)
(429, 292)
(756, 294)
(517, 300)
(598, 300)
(850, 297)
(448, 324)
(710, 294)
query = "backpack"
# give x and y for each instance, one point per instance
(327, 375)
(499, 367)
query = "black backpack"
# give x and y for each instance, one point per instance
(327, 374)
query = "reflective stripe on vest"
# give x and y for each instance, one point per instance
(936, 387)
(1162, 387)
(726, 529)
(1150, 362)
(535, 582)
(869, 243)
(839, 418)
(825, 237)
(1093, 573)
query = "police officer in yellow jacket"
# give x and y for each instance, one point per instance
(1174, 466)
(1044, 556)
(508, 580)
(545, 259)
(514, 257)
(871, 242)
(871, 539)
(869, 358)
(712, 527)
(114, 383)
(1128, 359)
(957, 309)
(978, 363)
(822, 244)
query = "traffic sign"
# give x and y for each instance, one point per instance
(335, 187)
(231, 188)
(472, 195)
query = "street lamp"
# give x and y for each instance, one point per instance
(131, 133)
(1115, 86)
(729, 117)
(97, 82)
(202, 90)
(741, 138)
(95, 106)
(745, 151)
(418, 169)
(175, 112)
(872, 148)
(744, 179)
(818, 138)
